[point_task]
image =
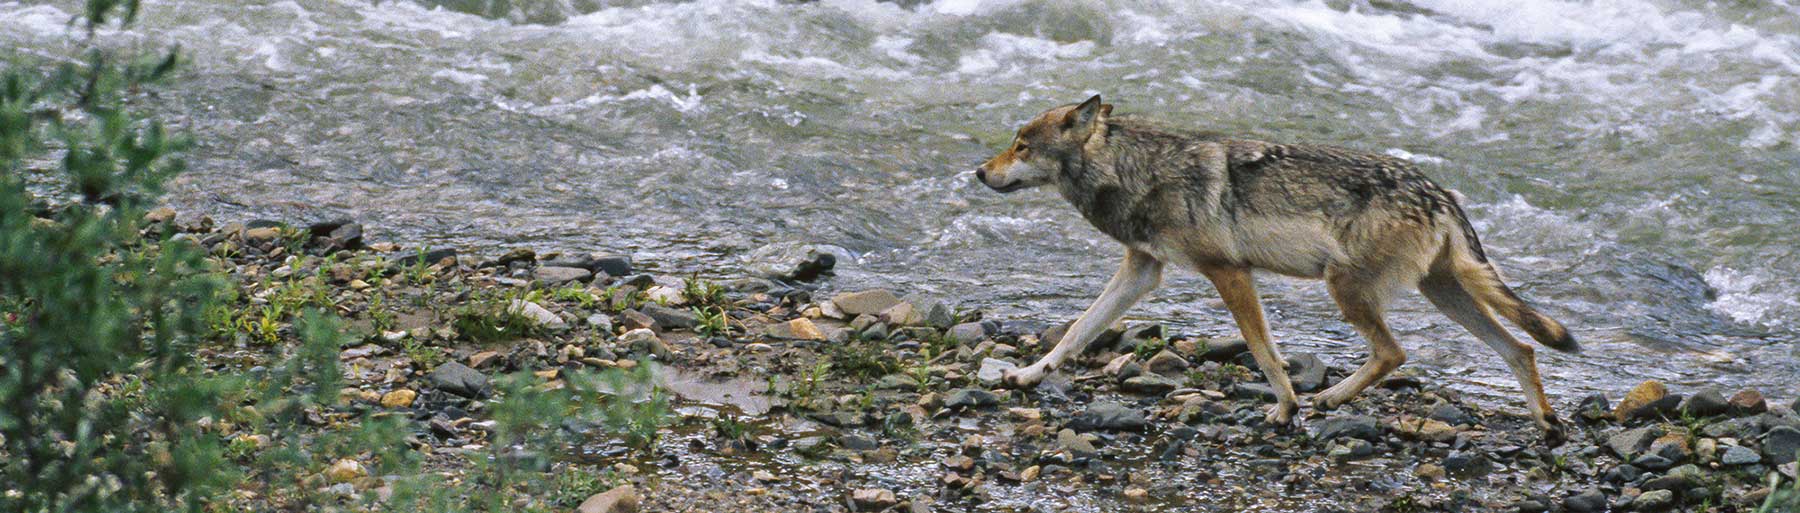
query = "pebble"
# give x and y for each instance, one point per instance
(398, 398)
(872, 499)
(623, 499)
(1149, 384)
(345, 470)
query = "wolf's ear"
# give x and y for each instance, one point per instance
(1085, 114)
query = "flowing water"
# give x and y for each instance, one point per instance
(1632, 164)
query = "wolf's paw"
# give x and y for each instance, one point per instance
(1023, 377)
(1281, 414)
(1328, 400)
(1554, 432)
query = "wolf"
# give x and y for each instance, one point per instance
(1369, 225)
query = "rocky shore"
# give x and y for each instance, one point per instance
(788, 395)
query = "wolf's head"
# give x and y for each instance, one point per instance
(1043, 144)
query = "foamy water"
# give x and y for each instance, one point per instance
(1632, 164)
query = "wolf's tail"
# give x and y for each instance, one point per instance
(1482, 280)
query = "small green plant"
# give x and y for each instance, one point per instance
(1149, 347)
(575, 483)
(380, 317)
(422, 354)
(575, 294)
(803, 391)
(713, 321)
(704, 294)
(489, 319)
(418, 271)
(862, 362)
(731, 428)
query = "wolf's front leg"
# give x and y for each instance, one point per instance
(1139, 275)
(1239, 292)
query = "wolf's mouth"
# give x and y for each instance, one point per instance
(1008, 187)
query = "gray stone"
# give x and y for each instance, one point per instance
(1306, 371)
(601, 322)
(1348, 426)
(970, 398)
(896, 382)
(459, 379)
(1257, 391)
(1149, 384)
(645, 342)
(1593, 408)
(1353, 448)
(1739, 428)
(1166, 362)
(1223, 349)
(931, 312)
(1780, 444)
(1746, 402)
(968, 333)
(1452, 415)
(1738, 455)
(1705, 403)
(536, 313)
(554, 276)
(993, 369)
(1630, 442)
(1588, 501)
(671, 318)
(1076, 444)
(1465, 463)
(1652, 462)
(865, 302)
(1108, 416)
(1654, 500)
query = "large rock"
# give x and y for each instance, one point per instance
(968, 333)
(1746, 402)
(970, 398)
(1108, 416)
(623, 499)
(1149, 384)
(1630, 442)
(1645, 394)
(1348, 426)
(645, 342)
(1222, 349)
(671, 318)
(1654, 500)
(870, 302)
(1166, 362)
(797, 329)
(555, 276)
(1306, 371)
(1738, 455)
(1780, 444)
(1589, 501)
(459, 379)
(1705, 403)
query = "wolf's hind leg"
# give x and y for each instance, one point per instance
(1239, 293)
(1362, 298)
(1137, 276)
(1448, 294)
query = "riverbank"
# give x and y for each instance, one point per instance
(783, 394)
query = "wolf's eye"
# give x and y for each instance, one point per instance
(1023, 147)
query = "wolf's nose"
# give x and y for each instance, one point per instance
(981, 174)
